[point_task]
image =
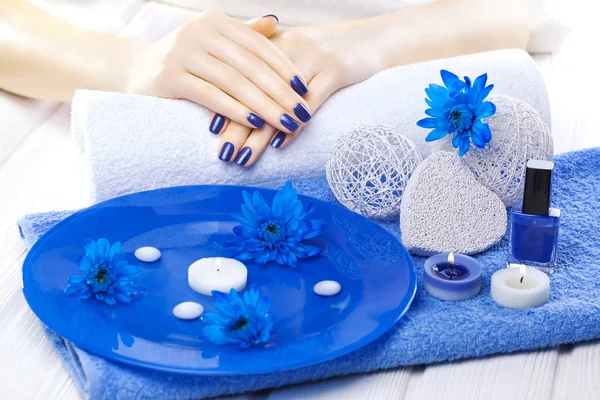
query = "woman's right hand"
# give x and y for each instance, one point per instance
(226, 66)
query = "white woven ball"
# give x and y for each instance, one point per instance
(519, 134)
(368, 169)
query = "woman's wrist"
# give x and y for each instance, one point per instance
(123, 66)
(355, 45)
(46, 58)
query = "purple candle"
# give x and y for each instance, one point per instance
(452, 277)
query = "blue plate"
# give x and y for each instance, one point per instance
(190, 222)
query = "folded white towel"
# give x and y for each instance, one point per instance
(134, 143)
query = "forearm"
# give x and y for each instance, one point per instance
(448, 28)
(46, 58)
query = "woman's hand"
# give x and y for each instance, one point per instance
(330, 58)
(227, 66)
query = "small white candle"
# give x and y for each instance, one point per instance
(520, 287)
(217, 273)
(327, 288)
(188, 310)
(147, 254)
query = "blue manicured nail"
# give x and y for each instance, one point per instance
(256, 120)
(244, 156)
(226, 152)
(217, 124)
(290, 123)
(272, 15)
(278, 140)
(299, 86)
(302, 113)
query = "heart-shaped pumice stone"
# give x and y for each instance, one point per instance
(445, 209)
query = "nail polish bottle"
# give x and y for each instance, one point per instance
(534, 226)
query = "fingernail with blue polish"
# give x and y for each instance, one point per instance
(226, 152)
(290, 123)
(299, 86)
(278, 140)
(217, 124)
(272, 15)
(302, 113)
(256, 120)
(244, 156)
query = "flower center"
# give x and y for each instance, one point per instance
(239, 324)
(272, 231)
(272, 228)
(101, 275)
(460, 118)
(102, 278)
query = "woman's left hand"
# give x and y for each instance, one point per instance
(329, 58)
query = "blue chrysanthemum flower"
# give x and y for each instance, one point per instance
(106, 275)
(459, 108)
(242, 320)
(276, 233)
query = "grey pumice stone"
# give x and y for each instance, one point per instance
(445, 209)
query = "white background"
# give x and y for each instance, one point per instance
(40, 171)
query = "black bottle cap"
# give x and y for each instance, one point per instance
(538, 178)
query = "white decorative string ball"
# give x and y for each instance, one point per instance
(369, 167)
(519, 134)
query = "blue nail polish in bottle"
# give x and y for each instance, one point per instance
(534, 227)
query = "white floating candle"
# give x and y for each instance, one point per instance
(188, 310)
(520, 287)
(147, 254)
(217, 273)
(327, 288)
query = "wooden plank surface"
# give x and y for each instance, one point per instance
(40, 170)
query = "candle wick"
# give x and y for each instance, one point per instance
(521, 282)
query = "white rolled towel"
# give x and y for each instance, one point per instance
(133, 143)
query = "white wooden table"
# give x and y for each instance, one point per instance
(40, 171)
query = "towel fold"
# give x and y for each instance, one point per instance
(431, 331)
(134, 143)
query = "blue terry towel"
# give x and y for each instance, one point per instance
(431, 331)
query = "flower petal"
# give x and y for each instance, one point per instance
(122, 297)
(73, 288)
(317, 226)
(436, 134)
(260, 205)
(437, 93)
(90, 248)
(76, 278)
(483, 130)
(456, 141)
(115, 249)
(448, 78)
(102, 248)
(436, 112)
(477, 138)
(427, 123)
(485, 110)
(214, 334)
(465, 143)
